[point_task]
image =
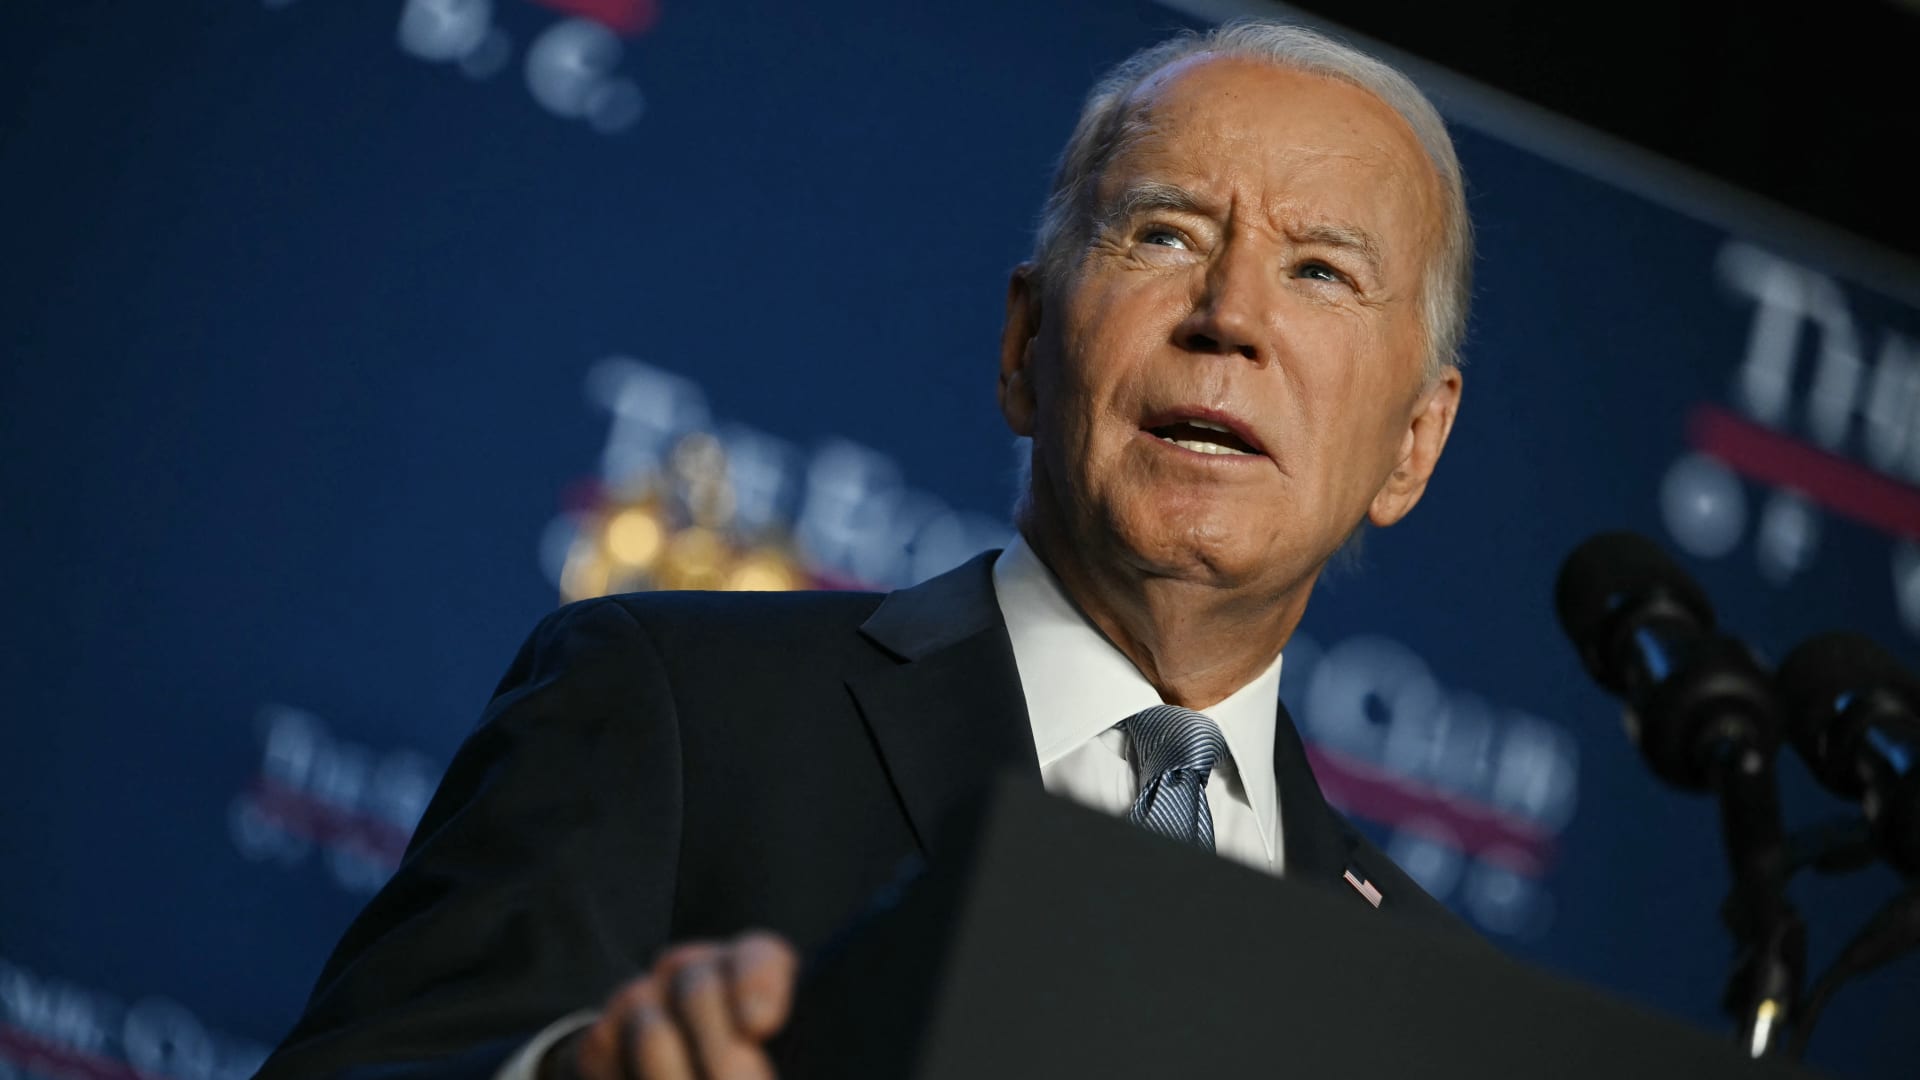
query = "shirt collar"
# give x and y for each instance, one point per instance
(1077, 684)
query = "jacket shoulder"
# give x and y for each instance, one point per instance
(683, 622)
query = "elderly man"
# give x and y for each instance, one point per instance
(1234, 344)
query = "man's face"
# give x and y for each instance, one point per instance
(1233, 376)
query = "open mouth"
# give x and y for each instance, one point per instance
(1203, 437)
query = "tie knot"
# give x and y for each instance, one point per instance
(1168, 737)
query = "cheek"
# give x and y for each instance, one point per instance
(1351, 393)
(1116, 329)
(1063, 391)
(1084, 374)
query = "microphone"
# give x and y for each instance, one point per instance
(1698, 703)
(1706, 717)
(1853, 713)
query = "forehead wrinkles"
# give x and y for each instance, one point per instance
(1219, 145)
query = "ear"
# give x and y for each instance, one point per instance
(1016, 349)
(1426, 436)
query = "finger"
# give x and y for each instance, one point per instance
(762, 968)
(598, 1051)
(667, 966)
(700, 1003)
(653, 1047)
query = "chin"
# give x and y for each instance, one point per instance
(1217, 549)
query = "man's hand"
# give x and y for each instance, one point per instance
(702, 1013)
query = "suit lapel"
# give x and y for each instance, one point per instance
(947, 712)
(1315, 839)
(945, 708)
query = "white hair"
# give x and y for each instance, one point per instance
(1066, 221)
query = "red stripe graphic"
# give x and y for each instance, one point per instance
(1842, 485)
(34, 1055)
(1373, 793)
(329, 825)
(623, 17)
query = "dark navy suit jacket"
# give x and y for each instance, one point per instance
(669, 766)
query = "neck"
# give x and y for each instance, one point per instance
(1196, 642)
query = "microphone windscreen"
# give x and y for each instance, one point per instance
(1824, 667)
(1828, 675)
(1614, 570)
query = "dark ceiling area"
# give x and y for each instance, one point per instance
(1814, 106)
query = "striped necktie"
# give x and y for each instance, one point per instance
(1175, 749)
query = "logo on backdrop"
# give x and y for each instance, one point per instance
(1473, 795)
(50, 1027)
(315, 795)
(1824, 419)
(574, 67)
(683, 501)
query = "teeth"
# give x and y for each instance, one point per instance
(1205, 447)
(1205, 425)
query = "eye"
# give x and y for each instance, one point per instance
(1319, 271)
(1161, 236)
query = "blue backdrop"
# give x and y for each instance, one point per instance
(341, 339)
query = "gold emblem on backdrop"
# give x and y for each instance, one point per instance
(676, 530)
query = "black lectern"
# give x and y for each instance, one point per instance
(1054, 942)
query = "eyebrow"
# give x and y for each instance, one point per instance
(1144, 196)
(1148, 195)
(1350, 238)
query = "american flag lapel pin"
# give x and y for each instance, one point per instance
(1363, 887)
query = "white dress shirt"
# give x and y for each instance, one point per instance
(1078, 687)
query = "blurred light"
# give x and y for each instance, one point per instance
(438, 30)
(586, 574)
(634, 537)
(1789, 534)
(1906, 583)
(763, 571)
(694, 559)
(568, 62)
(699, 469)
(1704, 507)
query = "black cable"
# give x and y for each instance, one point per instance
(1893, 930)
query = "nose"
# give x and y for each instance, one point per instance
(1229, 314)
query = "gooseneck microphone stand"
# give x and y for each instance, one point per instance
(1705, 716)
(1853, 713)
(1763, 991)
